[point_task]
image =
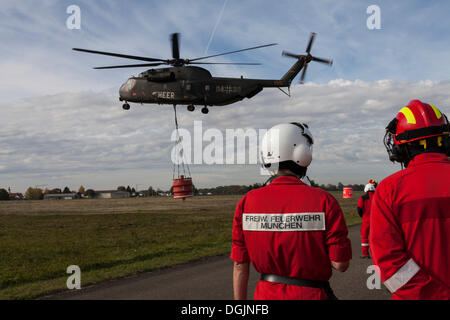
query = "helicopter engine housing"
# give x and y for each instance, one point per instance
(161, 77)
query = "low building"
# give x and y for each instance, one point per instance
(16, 196)
(61, 196)
(112, 194)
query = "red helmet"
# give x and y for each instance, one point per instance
(417, 121)
(374, 182)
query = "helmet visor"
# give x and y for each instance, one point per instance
(389, 144)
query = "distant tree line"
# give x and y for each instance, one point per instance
(4, 195)
(38, 194)
(227, 190)
(33, 193)
(243, 189)
(338, 187)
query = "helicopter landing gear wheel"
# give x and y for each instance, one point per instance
(126, 106)
(191, 107)
(205, 110)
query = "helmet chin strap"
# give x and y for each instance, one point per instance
(408, 157)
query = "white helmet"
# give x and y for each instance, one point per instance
(287, 142)
(369, 187)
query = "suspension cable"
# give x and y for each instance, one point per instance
(179, 147)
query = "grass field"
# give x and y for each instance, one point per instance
(110, 238)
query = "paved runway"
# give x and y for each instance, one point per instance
(212, 279)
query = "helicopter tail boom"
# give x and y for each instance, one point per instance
(293, 72)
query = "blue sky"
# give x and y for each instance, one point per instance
(39, 72)
(411, 45)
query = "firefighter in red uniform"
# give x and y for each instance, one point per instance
(410, 214)
(292, 233)
(363, 208)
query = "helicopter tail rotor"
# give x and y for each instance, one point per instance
(307, 58)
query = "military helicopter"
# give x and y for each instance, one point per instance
(191, 85)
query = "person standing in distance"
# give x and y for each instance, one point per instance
(363, 208)
(292, 233)
(410, 213)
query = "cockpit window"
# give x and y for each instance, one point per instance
(130, 84)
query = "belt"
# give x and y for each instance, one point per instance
(301, 283)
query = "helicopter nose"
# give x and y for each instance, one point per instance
(126, 89)
(123, 92)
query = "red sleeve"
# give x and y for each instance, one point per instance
(360, 203)
(385, 239)
(360, 207)
(239, 251)
(337, 241)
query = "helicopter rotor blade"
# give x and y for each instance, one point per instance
(292, 55)
(302, 77)
(222, 54)
(236, 63)
(330, 62)
(175, 45)
(175, 61)
(119, 55)
(311, 40)
(131, 66)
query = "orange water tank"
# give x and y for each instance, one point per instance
(347, 193)
(182, 188)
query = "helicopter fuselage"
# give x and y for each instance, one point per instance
(185, 84)
(190, 85)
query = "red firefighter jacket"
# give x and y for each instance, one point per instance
(364, 204)
(410, 229)
(288, 228)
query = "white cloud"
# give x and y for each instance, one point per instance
(86, 138)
